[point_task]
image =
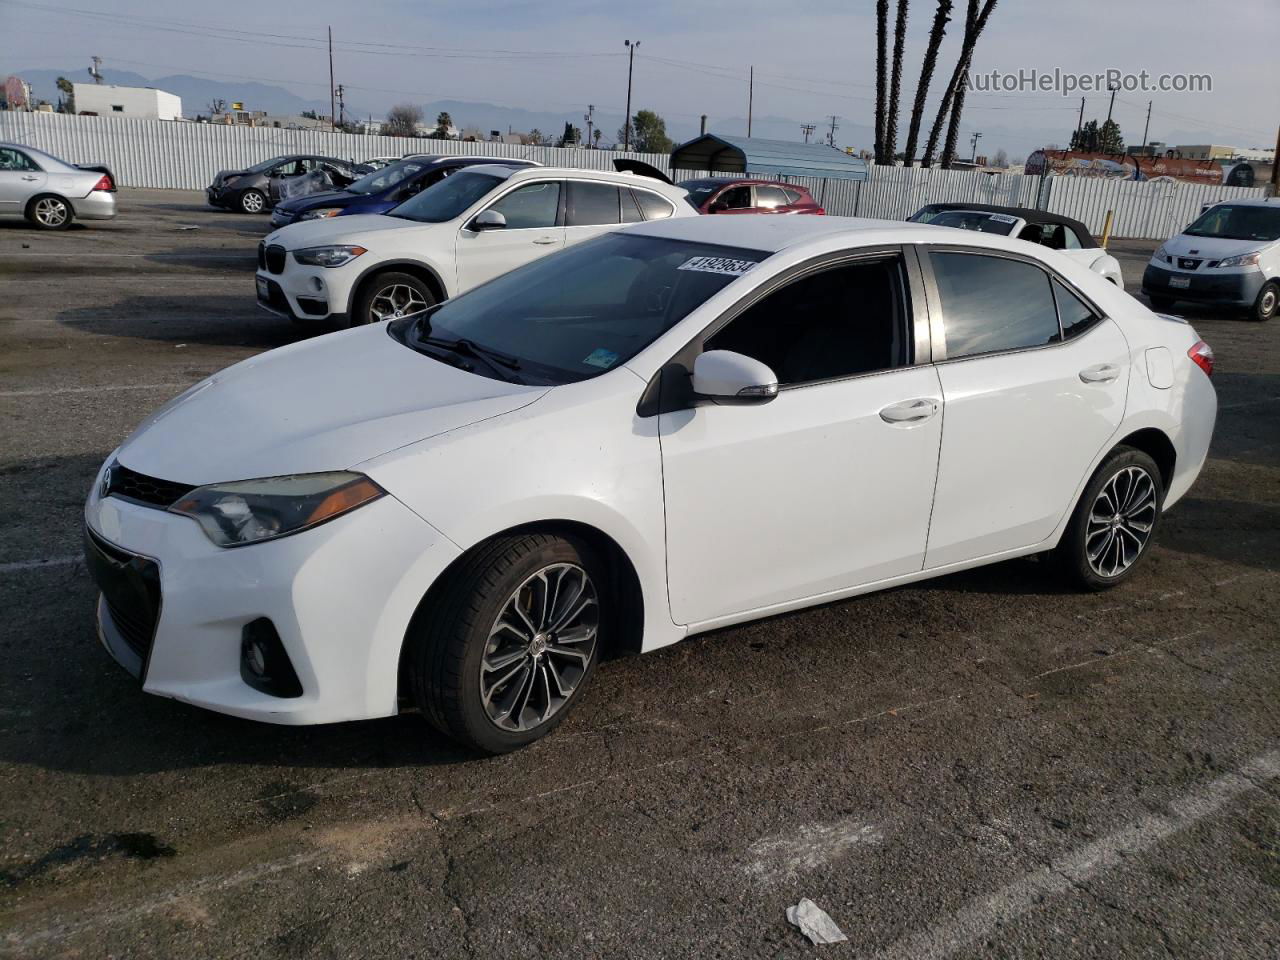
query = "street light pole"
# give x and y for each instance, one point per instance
(973, 158)
(626, 121)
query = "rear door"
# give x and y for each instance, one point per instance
(20, 179)
(1034, 380)
(771, 199)
(533, 230)
(592, 207)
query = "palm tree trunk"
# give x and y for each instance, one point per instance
(936, 33)
(882, 28)
(895, 83)
(975, 22)
(953, 126)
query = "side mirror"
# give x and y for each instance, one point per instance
(733, 378)
(488, 220)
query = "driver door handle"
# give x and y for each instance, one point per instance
(30, 178)
(909, 411)
(1101, 373)
(545, 240)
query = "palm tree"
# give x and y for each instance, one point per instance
(895, 84)
(882, 28)
(941, 16)
(953, 98)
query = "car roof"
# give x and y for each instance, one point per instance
(773, 234)
(579, 173)
(1240, 201)
(737, 181)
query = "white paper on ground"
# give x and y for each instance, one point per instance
(814, 923)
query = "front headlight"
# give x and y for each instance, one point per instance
(320, 213)
(1243, 260)
(335, 256)
(250, 511)
(1161, 254)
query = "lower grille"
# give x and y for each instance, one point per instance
(130, 585)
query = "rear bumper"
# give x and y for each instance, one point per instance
(1231, 289)
(98, 205)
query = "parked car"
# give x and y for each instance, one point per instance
(256, 189)
(1052, 230)
(719, 195)
(381, 190)
(664, 430)
(377, 163)
(51, 192)
(1230, 256)
(468, 228)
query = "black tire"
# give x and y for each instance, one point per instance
(1268, 302)
(1072, 553)
(376, 287)
(50, 212)
(1161, 304)
(449, 639)
(251, 201)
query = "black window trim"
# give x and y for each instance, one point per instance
(937, 320)
(669, 389)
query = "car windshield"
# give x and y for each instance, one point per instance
(1237, 221)
(579, 313)
(449, 198)
(699, 190)
(1000, 223)
(386, 177)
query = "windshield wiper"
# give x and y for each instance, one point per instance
(494, 359)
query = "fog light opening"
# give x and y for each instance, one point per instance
(264, 664)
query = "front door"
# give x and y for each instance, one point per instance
(532, 212)
(1035, 383)
(829, 485)
(20, 180)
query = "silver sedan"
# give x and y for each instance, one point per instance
(50, 192)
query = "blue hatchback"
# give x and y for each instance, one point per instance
(381, 190)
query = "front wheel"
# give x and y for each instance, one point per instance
(391, 296)
(1265, 307)
(252, 201)
(508, 641)
(50, 213)
(1114, 522)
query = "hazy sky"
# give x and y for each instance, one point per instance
(812, 57)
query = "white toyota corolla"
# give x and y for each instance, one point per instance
(674, 427)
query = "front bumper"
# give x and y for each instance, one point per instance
(1230, 289)
(98, 205)
(340, 597)
(301, 293)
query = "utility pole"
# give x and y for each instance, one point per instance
(1113, 103)
(973, 157)
(342, 107)
(626, 121)
(331, 91)
(831, 137)
(94, 71)
(1080, 122)
(751, 89)
(591, 110)
(807, 129)
(702, 126)
(1275, 168)
(1147, 128)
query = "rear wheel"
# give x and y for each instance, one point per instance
(252, 201)
(509, 642)
(49, 212)
(391, 296)
(1114, 522)
(1268, 302)
(1163, 304)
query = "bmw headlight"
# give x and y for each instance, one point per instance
(320, 213)
(1243, 260)
(334, 256)
(250, 511)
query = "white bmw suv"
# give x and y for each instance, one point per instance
(475, 225)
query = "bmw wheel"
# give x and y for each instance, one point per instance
(391, 296)
(504, 647)
(1114, 522)
(252, 201)
(49, 212)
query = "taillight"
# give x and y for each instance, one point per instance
(1202, 356)
(104, 184)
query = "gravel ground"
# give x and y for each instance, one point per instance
(985, 765)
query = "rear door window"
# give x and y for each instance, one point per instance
(992, 304)
(630, 208)
(11, 159)
(591, 204)
(1074, 314)
(770, 197)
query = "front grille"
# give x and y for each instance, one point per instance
(130, 585)
(262, 255)
(1188, 263)
(273, 258)
(151, 491)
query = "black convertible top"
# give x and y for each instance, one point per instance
(1026, 213)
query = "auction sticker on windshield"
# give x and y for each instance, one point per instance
(1003, 218)
(601, 358)
(725, 265)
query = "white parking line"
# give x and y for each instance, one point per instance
(983, 915)
(110, 388)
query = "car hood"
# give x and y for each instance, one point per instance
(1213, 248)
(323, 404)
(338, 229)
(224, 175)
(326, 199)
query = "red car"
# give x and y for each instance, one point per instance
(713, 195)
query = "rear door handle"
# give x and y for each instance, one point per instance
(545, 240)
(909, 411)
(30, 178)
(1101, 373)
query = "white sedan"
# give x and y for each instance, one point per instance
(670, 428)
(468, 228)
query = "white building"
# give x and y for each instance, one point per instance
(109, 100)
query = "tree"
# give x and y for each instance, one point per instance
(217, 106)
(443, 123)
(402, 121)
(535, 137)
(1110, 139)
(648, 133)
(68, 95)
(895, 83)
(1092, 138)
(941, 17)
(882, 31)
(309, 114)
(953, 99)
(1002, 158)
(571, 137)
(596, 137)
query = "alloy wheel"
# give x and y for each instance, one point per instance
(1120, 522)
(51, 211)
(251, 202)
(539, 648)
(394, 301)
